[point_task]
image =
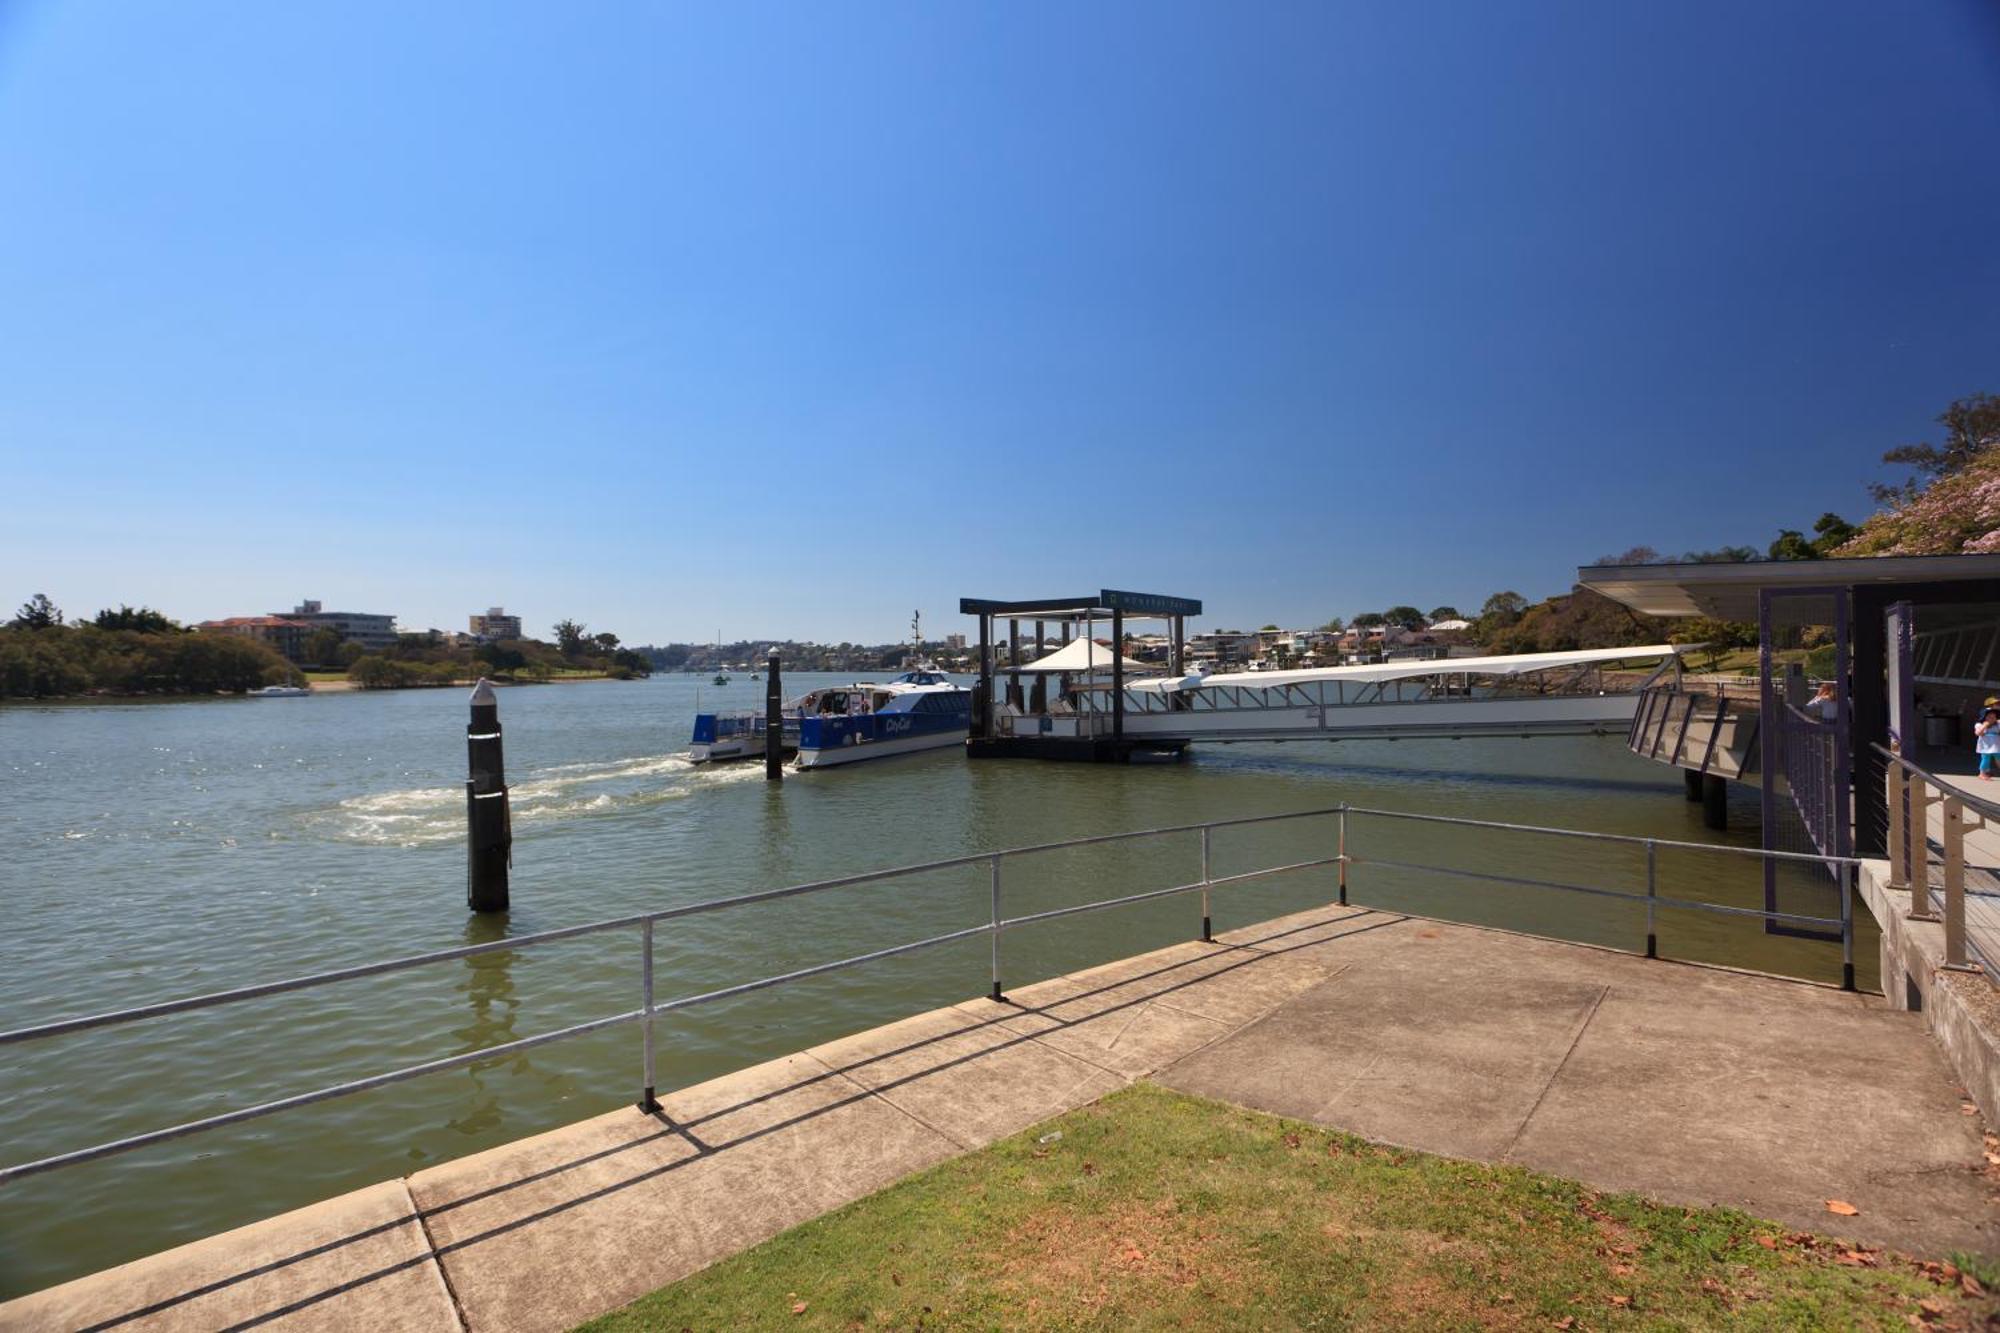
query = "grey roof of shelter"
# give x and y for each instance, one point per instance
(1729, 591)
(1140, 604)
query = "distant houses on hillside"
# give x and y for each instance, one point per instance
(1281, 649)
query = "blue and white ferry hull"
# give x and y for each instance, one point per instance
(825, 741)
(723, 736)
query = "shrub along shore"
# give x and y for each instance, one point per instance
(140, 653)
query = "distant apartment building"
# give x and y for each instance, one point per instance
(362, 627)
(284, 633)
(495, 624)
(1221, 647)
(955, 642)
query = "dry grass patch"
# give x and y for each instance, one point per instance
(1152, 1209)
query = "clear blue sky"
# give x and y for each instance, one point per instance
(685, 318)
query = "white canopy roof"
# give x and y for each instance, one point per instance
(1513, 665)
(1078, 657)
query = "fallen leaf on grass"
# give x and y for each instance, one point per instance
(1842, 1207)
(896, 1278)
(1621, 1301)
(1291, 1140)
(1621, 1270)
(1931, 1307)
(1969, 1284)
(798, 1307)
(1768, 1242)
(1567, 1321)
(1090, 1168)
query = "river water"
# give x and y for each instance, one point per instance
(155, 850)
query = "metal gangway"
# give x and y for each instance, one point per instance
(1584, 692)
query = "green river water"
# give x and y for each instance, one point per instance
(155, 850)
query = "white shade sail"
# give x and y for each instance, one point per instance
(1511, 665)
(1077, 657)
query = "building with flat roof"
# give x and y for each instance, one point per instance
(366, 628)
(495, 624)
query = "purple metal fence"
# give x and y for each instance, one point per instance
(1806, 754)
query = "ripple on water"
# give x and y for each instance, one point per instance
(419, 816)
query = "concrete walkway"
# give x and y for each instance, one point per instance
(1694, 1085)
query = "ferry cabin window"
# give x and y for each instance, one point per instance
(942, 704)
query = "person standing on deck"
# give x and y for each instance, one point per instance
(1987, 729)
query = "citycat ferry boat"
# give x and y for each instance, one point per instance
(844, 724)
(918, 710)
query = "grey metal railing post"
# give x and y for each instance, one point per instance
(648, 1103)
(1899, 850)
(1342, 850)
(998, 994)
(1207, 924)
(1652, 896)
(1954, 885)
(1847, 877)
(1920, 850)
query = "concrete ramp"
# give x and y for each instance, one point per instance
(1694, 1085)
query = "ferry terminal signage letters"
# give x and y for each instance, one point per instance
(1148, 603)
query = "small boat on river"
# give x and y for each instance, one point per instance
(281, 692)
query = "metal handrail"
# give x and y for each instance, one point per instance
(1632, 839)
(995, 928)
(1909, 787)
(1991, 809)
(83, 1023)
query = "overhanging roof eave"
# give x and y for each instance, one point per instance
(1730, 591)
(1135, 605)
(973, 606)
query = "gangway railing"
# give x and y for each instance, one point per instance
(1703, 730)
(1971, 937)
(1345, 820)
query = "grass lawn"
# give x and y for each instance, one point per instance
(1157, 1210)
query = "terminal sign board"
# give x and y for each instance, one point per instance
(1148, 603)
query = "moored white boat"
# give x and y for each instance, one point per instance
(918, 710)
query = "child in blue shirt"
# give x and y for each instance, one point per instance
(1987, 729)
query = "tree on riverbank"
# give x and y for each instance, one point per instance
(38, 612)
(432, 659)
(144, 619)
(58, 660)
